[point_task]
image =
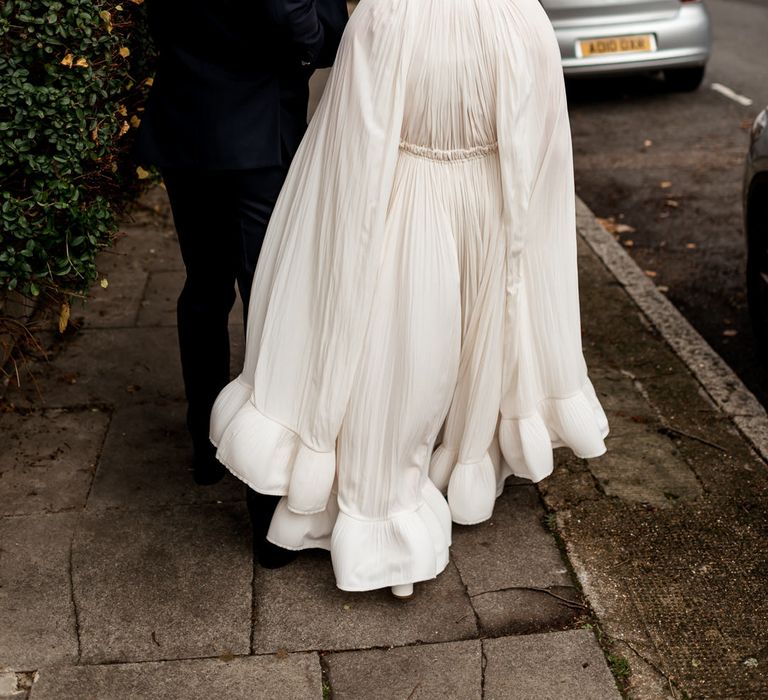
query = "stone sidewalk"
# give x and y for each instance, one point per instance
(119, 578)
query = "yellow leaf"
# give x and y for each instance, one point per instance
(107, 19)
(122, 110)
(81, 63)
(67, 60)
(64, 317)
(95, 134)
(124, 51)
(123, 129)
(135, 121)
(104, 283)
(651, 273)
(137, 2)
(149, 82)
(665, 184)
(119, 8)
(141, 173)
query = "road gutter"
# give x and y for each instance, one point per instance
(717, 379)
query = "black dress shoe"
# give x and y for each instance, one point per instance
(261, 509)
(270, 556)
(207, 470)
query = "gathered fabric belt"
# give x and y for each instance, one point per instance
(449, 155)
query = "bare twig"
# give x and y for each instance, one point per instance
(682, 433)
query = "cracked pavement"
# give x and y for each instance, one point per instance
(121, 578)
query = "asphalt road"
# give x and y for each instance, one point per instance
(669, 166)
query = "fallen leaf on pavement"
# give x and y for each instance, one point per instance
(64, 317)
(647, 143)
(663, 288)
(651, 273)
(672, 203)
(611, 226)
(629, 243)
(690, 246)
(665, 184)
(730, 332)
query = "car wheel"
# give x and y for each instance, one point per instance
(757, 264)
(684, 79)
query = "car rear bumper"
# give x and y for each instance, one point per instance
(682, 40)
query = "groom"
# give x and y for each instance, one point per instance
(224, 118)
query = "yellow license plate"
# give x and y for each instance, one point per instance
(637, 43)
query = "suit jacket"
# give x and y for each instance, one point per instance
(231, 87)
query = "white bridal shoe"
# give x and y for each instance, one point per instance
(403, 592)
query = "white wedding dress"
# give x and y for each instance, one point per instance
(417, 286)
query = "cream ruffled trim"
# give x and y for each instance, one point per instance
(577, 421)
(266, 455)
(404, 548)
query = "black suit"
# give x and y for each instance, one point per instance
(231, 86)
(224, 118)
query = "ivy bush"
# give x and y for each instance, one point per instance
(73, 78)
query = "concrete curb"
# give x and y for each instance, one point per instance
(715, 376)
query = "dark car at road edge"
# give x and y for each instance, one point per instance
(756, 229)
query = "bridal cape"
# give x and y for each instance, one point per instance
(417, 287)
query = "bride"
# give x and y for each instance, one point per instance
(417, 287)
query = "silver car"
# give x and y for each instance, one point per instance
(599, 37)
(756, 227)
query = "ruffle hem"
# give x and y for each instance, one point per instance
(406, 547)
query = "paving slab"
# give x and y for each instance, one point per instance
(163, 584)
(523, 610)
(155, 246)
(511, 550)
(646, 469)
(116, 305)
(299, 608)
(290, 677)
(109, 366)
(147, 462)
(38, 625)
(550, 666)
(425, 672)
(48, 459)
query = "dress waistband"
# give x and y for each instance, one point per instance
(452, 154)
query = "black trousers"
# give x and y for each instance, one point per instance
(221, 218)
